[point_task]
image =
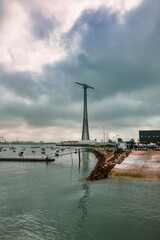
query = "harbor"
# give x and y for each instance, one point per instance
(37, 152)
(79, 120)
(54, 201)
(110, 161)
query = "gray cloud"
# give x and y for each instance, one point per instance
(42, 26)
(1, 10)
(121, 60)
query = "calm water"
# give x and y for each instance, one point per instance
(40, 201)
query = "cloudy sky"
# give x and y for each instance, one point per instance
(47, 45)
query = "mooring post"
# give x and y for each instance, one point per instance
(79, 154)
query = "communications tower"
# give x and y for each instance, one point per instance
(85, 129)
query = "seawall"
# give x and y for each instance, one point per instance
(106, 162)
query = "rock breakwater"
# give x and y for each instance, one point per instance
(107, 159)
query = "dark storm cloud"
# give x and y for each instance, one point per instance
(118, 58)
(36, 100)
(121, 60)
(121, 57)
(40, 114)
(21, 84)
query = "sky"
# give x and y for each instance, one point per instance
(47, 45)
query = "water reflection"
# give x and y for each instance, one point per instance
(84, 163)
(82, 205)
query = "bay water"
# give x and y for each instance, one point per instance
(54, 201)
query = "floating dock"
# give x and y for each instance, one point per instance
(27, 159)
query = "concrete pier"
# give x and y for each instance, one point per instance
(144, 164)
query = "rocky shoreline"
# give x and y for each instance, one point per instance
(107, 159)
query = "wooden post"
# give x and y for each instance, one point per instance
(79, 157)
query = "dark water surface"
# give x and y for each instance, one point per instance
(40, 201)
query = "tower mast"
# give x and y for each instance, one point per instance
(85, 128)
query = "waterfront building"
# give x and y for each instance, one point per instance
(149, 136)
(122, 144)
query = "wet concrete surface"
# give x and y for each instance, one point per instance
(144, 164)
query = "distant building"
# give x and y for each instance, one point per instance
(122, 144)
(149, 136)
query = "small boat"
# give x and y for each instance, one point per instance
(20, 154)
(48, 159)
(57, 154)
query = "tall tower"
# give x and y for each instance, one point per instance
(85, 129)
